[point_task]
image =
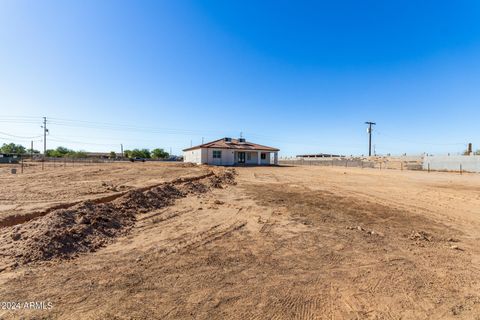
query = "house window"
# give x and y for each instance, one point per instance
(217, 154)
(249, 156)
(263, 156)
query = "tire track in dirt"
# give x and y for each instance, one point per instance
(412, 283)
(188, 241)
(149, 221)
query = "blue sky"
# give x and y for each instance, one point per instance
(303, 76)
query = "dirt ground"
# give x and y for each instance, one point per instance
(278, 243)
(35, 190)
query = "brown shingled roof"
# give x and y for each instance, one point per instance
(233, 144)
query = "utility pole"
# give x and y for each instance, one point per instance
(121, 149)
(45, 130)
(31, 149)
(369, 130)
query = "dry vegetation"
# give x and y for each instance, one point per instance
(165, 241)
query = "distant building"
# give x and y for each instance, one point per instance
(320, 155)
(230, 152)
(9, 158)
(97, 155)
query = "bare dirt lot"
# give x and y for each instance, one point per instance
(266, 243)
(36, 191)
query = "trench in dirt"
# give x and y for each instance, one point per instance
(86, 226)
(12, 220)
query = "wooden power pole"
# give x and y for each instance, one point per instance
(369, 130)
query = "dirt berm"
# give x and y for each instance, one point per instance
(87, 226)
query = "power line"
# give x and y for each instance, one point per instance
(17, 139)
(10, 116)
(54, 138)
(171, 131)
(123, 127)
(152, 130)
(18, 121)
(21, 137)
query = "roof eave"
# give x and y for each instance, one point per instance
(255, 149)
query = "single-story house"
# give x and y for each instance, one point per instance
(9, 158)
(98, 155)
(230, 152)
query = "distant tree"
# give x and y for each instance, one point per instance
(477, 152)
(145, 153)
(80, 154)
(51, 153)
(112, 155)
(59, 152)
(62, 151)
(159, 153)
(75, 154)
(127, 153)
(12, 148)
(135, 153)
(138, 153)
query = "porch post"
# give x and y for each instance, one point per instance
(259, 158)
(275, 158)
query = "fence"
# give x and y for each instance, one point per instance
(452, 163)
(337, 162)
(28, 164)
(399, 163)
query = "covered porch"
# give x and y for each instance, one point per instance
(258, 157)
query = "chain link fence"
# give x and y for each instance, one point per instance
(374, 163)
(28, 164)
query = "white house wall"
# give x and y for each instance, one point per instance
(205, 156)
(253, 158)
(193, 156)
(229, 157)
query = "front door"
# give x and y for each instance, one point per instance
(241, 157)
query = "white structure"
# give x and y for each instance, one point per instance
(452, 163)
(230, 152)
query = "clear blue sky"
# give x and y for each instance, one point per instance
(303, 76)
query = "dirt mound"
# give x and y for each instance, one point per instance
(64, 233)
(227, 176)
(217, 180)
(186, 164)
(155, 198)
(195, 187)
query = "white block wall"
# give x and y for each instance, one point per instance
(197, 156)
(227, 159)
(452, 163)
